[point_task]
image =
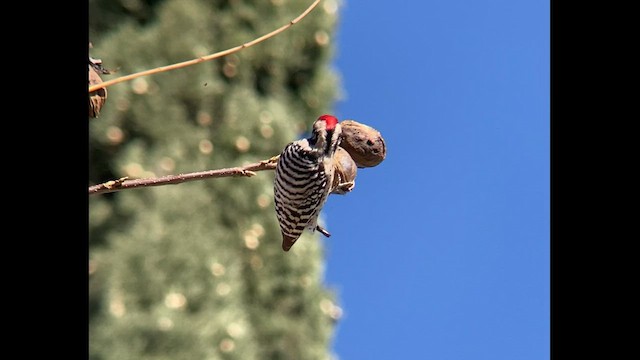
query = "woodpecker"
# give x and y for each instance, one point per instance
(303, 178)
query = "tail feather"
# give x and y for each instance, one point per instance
(287, 242)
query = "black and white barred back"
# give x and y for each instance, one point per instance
(303, 178)
(300, 189)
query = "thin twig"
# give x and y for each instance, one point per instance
(203, 58)
(124, 183)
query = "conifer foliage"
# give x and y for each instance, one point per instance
(196, 270)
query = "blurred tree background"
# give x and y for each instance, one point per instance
(196, 270)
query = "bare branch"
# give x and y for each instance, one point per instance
(203, 58)
(124, 183)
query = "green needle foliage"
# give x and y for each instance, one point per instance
(196, 270)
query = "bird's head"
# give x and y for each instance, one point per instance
(326, 134)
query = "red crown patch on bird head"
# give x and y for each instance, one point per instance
(330, 120)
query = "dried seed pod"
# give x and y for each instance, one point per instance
(345, 172)
(364, 143)
(98, 97)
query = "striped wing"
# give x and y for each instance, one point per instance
(299, 191)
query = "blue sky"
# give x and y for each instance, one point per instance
(442, 251)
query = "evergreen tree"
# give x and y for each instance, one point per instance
(196, 271)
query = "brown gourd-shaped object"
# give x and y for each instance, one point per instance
(361, 146)
(364, 144)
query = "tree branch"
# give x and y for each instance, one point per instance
(124, 183)
(203, 58)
